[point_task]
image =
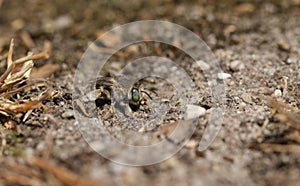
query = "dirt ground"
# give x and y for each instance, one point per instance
(256, 42)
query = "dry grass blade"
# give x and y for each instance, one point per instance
(12, 64)
(27, 40)
(10, 52)
(11, 82)
(277, 148)
(288, 115)
(9, 107)
(30, 84)
(62, 174)
(18, 77)
(22, 169)
(12, 173)
(34, 171)
(285, 113)
(12, 178)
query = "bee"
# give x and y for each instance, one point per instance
(137, 99)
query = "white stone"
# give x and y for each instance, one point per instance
(40, 146)
(223, 75)
(236, 65)
(277, 93)
(291, 60)
(242, 105)
(203, 65)
(194, 111)
(67, 114)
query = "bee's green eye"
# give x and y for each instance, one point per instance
(135, 95)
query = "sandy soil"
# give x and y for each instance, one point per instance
(257, 43)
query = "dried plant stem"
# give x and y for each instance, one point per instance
(27, 40)
(65, 176)
(21, 88)
(10, 53)
(13, 64)
(285, 113)
(277, 148)
(16, 179)
(42, 55)
(12, 108)
(23, 169)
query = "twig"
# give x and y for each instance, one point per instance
(42, 55)
(291, 118)
(22, 169)
(12, 79)
(9, 63)
(12, 178)
(280, 105)
(14, 108)
(10, 52)
(21, 88)
(277, 148)
(283, 112)
(65, 176)
(27, 40)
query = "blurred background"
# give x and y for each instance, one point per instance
(256, 42)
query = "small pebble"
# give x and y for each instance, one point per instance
(223, 75)
(194, 111)
(291, 60)
(242, 105)
(231, 83)
(63, 22)
(192, 144)
(29, 151)
(67, 114)
(40, 146)
(283, 45)
(246, 97)
(203, 65)
(277, 93)
(17, 24)
(109, 39)
(59, 142)
(237, 65)
(244, 8)
(64, 66)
